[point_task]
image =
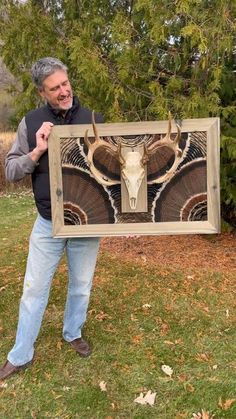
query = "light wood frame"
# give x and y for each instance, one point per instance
(210, 126)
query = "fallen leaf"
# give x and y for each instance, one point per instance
(133, 318)
(149, 398)
(146, 306)
(164, 329)
(151, 356)
(227, 404)
(3, 385)
(183, 378)
(227, 313)
(168, 342)
(66, 388)
(167, 370)
(137, 339)
(103, 386)
(188, 387)
(59, 345)
(140, 399)
(214, 379)
(102, 316)
(202, 357)
(178, 342)
(202, 415)
(58, 396)
(92, 311)
(126, 367)
(199, 291)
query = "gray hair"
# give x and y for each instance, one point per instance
(43, 68)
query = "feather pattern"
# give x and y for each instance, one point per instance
(182, 197)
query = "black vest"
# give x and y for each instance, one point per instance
(34, 120)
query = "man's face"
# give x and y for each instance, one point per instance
(57, 90)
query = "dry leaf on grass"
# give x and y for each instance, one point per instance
(202, 415)
(188, 387)
(3, 385)
(203, 357)
(140, 399)
(103, 386)
(164, 328)
(102, 316)
(59, 345)
(167, 370)
(148, 399)
(227, 404)
(137, 339)
(168, 342)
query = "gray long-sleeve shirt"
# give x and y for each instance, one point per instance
(18, 162)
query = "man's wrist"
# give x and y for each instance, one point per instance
(35, 154)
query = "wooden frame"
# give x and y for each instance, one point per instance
(200, 136)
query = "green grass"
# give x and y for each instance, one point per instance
(190, 326)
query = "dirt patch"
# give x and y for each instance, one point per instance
(215, 253)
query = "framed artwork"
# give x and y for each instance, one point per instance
(149, 178)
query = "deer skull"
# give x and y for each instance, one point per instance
(132, 162)
(132, 171)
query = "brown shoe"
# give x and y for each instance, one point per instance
(8, 369)
(81, 347)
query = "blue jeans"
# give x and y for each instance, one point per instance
(44, 255)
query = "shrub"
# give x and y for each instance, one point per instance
(228, 180)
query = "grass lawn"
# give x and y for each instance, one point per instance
(140, 318)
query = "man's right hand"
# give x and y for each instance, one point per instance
(41, 141)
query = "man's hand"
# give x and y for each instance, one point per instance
(41, 141)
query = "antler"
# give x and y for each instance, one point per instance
(173, 145)
(92, 146)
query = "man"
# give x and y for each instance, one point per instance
(29, 155)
